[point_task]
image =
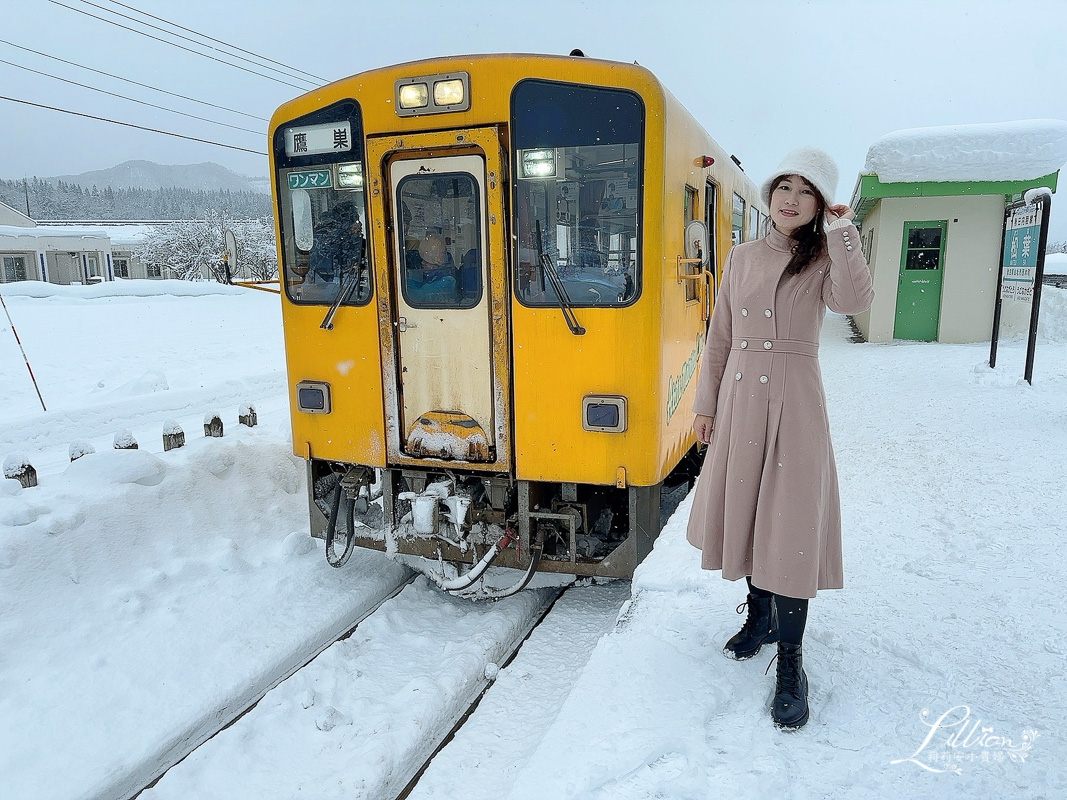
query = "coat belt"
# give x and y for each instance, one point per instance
(794, 347)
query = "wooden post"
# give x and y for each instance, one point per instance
(247, 415)
(124, 440)
(18, 468)
(173, 435)
(79, 448)
(213, 426)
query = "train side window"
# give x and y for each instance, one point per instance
(737, 220)
(689, 214)
(577, 195)
(753, 223)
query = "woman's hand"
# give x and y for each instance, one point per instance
(702, 427)
(840, 211)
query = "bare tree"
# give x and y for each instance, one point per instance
(192, 250)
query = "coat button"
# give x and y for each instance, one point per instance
(744, 312)
(767, 312)
(744, 343)
(762, 378)
(737, 377)
(766, 345)
(848, 247)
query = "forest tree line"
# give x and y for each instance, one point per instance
(60, 200)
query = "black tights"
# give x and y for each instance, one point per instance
(792, 614)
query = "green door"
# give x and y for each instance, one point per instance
(919, 289)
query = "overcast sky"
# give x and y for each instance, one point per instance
(762, 77)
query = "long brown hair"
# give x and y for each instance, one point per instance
(809, 242)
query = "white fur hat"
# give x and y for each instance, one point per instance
(813, 165)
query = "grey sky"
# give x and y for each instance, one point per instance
(762, 77)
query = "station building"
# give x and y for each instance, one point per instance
(930, 208)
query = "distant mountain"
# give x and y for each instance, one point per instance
(149, 175)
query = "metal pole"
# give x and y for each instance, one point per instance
(19, 342)
(1000, 277)
(1035, 307)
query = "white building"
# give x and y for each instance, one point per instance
(930, 206)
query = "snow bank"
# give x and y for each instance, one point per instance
(1004, 151)
(121, 288)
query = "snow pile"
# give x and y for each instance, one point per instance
(1004, 151)
(1056, 263)
(121, 287)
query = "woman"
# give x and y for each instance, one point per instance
(766, 506)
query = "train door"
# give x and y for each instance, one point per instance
(448, 277)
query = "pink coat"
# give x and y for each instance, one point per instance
(767, 502)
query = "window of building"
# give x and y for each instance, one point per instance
(14, 269)
(737, 220)
(153, 271)
(122, 267)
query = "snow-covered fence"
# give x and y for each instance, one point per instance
(17, 467)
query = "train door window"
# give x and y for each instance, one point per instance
(14, 269)
(737, 220)
(441, 237)
(577, 193)
(692, 200)
(711, 199)
(323, 207)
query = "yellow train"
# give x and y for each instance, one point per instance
(497, 272)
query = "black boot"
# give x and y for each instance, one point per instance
(790, 706)
(760, 628)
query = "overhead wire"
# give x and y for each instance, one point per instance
(181, 47)
(213, 39)
(131, 125)
(136, 21)
(131, 81)
(130, 99)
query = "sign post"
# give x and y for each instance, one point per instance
(1022, 266)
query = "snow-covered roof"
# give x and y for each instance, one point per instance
(1001, 151)
(118, 235)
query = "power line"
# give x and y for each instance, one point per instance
(220, 41)
(192, 41)
(130, 80)
(131, 125)
(131, 99)
(180, 47)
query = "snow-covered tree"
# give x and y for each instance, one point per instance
(191, 250)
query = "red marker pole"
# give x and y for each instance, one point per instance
(19, 343)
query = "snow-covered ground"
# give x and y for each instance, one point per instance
(142, 592)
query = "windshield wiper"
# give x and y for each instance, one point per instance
(548, 267)
(351, 279)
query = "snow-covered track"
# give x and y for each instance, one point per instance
(364, 717)
(188, 741)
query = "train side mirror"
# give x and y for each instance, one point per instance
(696, 242)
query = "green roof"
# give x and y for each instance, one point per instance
(869, 190)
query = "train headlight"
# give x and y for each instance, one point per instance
(605, 413)
(414, 95)
(350, 176)
(313, 397)
(538, 163)
(448, 93)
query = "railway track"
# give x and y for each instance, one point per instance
(366, 716)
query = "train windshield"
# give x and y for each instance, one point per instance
(323, 209)
(578, 170)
